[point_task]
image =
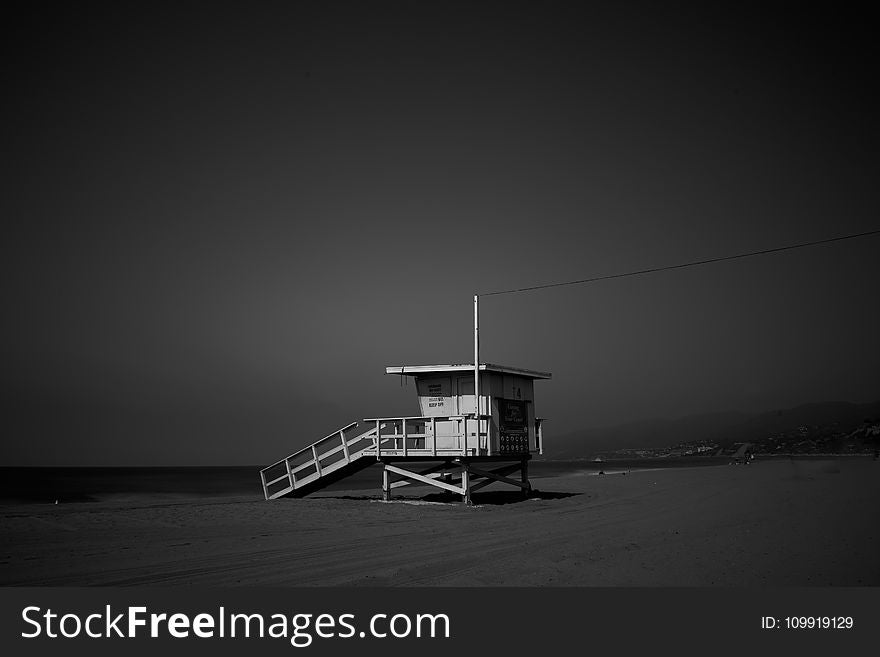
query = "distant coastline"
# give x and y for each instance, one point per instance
(804, 521)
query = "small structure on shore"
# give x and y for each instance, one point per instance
(744, 454)
(459, 443)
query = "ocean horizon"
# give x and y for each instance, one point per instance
(78, 484)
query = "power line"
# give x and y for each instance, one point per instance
(694, 263)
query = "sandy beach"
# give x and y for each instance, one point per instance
(776, 522)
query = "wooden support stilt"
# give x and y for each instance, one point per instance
(498, 475)
(423, 479)
(466, 484)
(526, 486)
(434, 472)
(386, 484)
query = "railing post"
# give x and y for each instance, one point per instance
(403, 420)
(345, 447)
(378, 442)
(317, 462)
(289, 473)
(434, 434)
(488, 437)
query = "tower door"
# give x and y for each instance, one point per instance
(464, 395)
(465, 406)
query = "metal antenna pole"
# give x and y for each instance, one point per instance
(477, 365)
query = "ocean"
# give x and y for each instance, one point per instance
(46, 485)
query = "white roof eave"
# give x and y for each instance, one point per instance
(415, 370)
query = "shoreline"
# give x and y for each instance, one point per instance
(774, 523)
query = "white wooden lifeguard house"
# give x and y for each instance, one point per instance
(453, 444)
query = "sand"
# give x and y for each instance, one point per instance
(779, 522)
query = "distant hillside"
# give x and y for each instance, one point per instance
(722, 428)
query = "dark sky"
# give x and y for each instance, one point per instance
(220, 225)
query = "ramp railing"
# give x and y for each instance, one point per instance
(321, 458)
(451, 435)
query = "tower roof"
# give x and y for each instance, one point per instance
(416, 370)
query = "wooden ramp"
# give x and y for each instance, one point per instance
(328, 460)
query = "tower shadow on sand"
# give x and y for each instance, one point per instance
(498, 497)
(489, 498)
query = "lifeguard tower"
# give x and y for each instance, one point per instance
(453, 444)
